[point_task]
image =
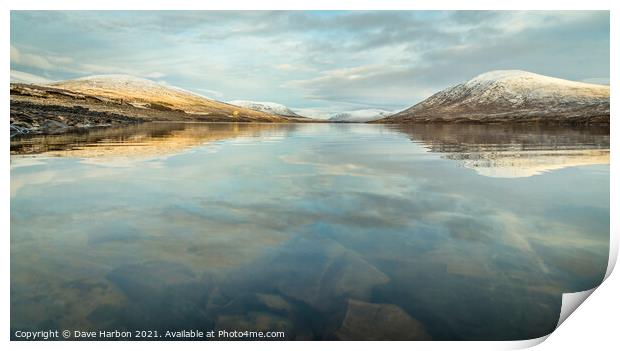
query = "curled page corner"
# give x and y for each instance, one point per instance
(525, 344)
(570, 301)
(613, 254)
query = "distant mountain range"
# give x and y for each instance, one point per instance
(365, 115)
(512, 96)
(267, 107)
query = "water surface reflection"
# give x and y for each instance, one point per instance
(322, 231)
(511, 151)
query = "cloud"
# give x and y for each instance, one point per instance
(15, 56)
(376, 85)
(23, 77)
(154, 75)
(487, 41)
(312, 59)
(292, 67)
(29, 60)
(43, 61)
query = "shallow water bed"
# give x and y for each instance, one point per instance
(323, 231)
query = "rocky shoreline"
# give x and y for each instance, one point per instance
(31, 118)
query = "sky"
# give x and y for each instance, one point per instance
(315, 62)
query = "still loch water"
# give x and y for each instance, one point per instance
(323, 231)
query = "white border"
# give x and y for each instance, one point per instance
(595, 323)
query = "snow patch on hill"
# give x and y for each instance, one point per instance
(519, 88)
(125, 83)
(365, 115)
(264, 106)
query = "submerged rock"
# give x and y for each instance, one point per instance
(322, 273)
(161, 295)
(369, 321)
(149, 279)
(253, 321)
(52, 127)
(274, 302)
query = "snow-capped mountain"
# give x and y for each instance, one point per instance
(133, 89)
(268, 107)
(366, 115)
(145, 93)
(512, 95)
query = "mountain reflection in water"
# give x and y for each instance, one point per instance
(324, 231)
(512, 151)
(143, 140)
(491, 150)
